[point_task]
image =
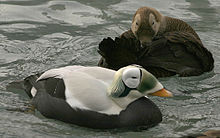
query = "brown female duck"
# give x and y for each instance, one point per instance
(163, 45)
(207, 134)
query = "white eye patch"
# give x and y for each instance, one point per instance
(154, 24)
(131, 77)
(135, 24)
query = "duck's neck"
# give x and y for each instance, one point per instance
(169, 24)
(123, 102)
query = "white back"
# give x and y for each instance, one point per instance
(86, 87)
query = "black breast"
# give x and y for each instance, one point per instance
(141, 112)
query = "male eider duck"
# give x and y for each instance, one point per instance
(97, 97)
(165, 46)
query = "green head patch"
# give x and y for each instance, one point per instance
(148, 82)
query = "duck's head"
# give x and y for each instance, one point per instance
(146, 23)
(135, 77)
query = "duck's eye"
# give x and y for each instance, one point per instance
(152, 23)
(134, 77)
(136, 23)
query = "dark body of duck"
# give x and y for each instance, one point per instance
(163, 45)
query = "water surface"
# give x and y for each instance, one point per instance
(36, 35)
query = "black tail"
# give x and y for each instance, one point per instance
(25, 85)
(53, 86)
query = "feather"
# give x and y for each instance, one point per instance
(53, 73)
(173, 53)
(117, 87)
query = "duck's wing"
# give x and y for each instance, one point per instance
(178, 52)
(118, 53)
(83, 90)
(56, 108)
(125, 51)
(174, 53)
(99, 73)
(83, 87)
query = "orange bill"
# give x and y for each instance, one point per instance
(162, 93)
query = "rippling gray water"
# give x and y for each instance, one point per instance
(36, 35)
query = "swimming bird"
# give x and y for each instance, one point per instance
(163, 45)
(97, 97)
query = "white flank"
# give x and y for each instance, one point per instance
(33, 91)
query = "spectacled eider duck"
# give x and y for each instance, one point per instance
(163, 45)
(97, 97)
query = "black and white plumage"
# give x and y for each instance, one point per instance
(88, 96)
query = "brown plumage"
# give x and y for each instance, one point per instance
(163, 45)
(207, 134)
(153, 22)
